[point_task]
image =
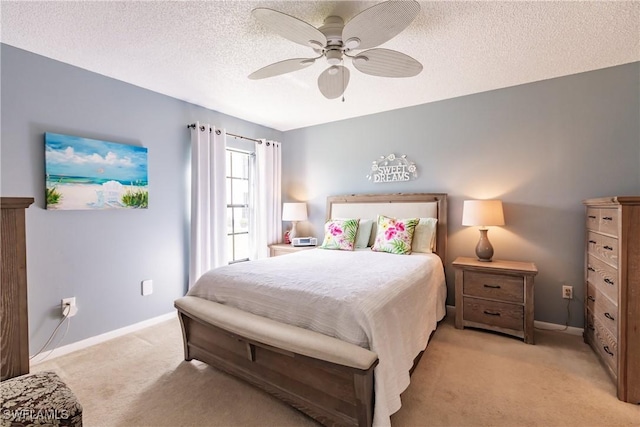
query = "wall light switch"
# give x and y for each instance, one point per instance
(147, 287)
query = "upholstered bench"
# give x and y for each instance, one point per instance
(39, 399)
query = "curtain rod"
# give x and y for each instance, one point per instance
(193, 125)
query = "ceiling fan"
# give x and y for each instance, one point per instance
(336, 40)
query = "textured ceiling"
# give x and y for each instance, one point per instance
(202, 52)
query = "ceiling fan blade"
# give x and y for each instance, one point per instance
(333, 81)
(386, 63)
(290, 27)
(380, 23)
(282, 67)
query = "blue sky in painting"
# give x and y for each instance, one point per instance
(73, 156)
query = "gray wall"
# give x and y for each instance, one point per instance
(100, 257)
(540, 147)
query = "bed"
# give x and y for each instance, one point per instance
(341, 362)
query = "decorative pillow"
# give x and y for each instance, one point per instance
(340, 234)
(394, 235)
(424, 236)
(364, 231)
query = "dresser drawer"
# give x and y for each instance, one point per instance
(591, 296)
(494, 286)
(590, 327)
(606, 345)
(609, 221)
(593, 219)
(603, 247)
(607, 313)
(493, 313)
(603, 276)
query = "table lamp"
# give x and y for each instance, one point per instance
(294, 212)
(483, 213)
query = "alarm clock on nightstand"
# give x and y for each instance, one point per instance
(304, 241)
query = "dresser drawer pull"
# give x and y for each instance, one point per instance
(492, 286)
(608, 316)
(606, 349)
(591, 327)
(491, 313)
(591, 269)
(592, 216)
(609, 282)
(591, 298)
(593, 242)
(607, 218)
(609, 248)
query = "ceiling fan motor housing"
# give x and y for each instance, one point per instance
(332, 30)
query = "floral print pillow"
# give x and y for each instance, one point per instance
(340, 234)
(394, 235)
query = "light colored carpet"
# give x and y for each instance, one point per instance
(465, 378)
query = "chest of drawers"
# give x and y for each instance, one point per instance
(612, 289)
(496, 295)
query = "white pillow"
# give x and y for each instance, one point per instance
(364, 232)
(424, 236)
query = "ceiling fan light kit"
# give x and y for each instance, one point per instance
(334, 40)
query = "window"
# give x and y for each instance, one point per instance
(237, 205)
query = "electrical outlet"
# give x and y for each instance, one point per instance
(147, 287)
(69, 307)
(567, 292)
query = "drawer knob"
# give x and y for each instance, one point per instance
(593, 242)
(591, 269)
(607, 218)
(591, 298)
(606, 349)
(591, 327)
(492, 286)
(609, 248)
(491, 313)
(609, 282)
(608, 316)
(592, 216)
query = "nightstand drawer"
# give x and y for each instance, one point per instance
(493, 313)
(494, 286)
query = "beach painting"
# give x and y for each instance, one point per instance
(89, 174)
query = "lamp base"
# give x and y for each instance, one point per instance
(293, 232)
(484, 250)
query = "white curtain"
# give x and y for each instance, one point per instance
(266, 222)
(208, 200)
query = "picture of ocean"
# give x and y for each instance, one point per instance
(84, 173)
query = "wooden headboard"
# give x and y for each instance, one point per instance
(398, 205)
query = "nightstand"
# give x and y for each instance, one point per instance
(285, 248)
(497, 296)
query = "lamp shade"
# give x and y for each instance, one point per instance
(482, 212)
(294, 211)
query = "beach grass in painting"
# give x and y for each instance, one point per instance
(90, 174)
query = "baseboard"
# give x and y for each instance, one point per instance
(451, 311)
(79, 345)
(571, 330)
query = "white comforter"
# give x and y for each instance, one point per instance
(387, 303)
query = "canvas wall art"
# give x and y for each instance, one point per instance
(83, 173)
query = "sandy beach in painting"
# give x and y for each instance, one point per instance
(88, 196)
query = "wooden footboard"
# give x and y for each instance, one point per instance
(332, 393)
